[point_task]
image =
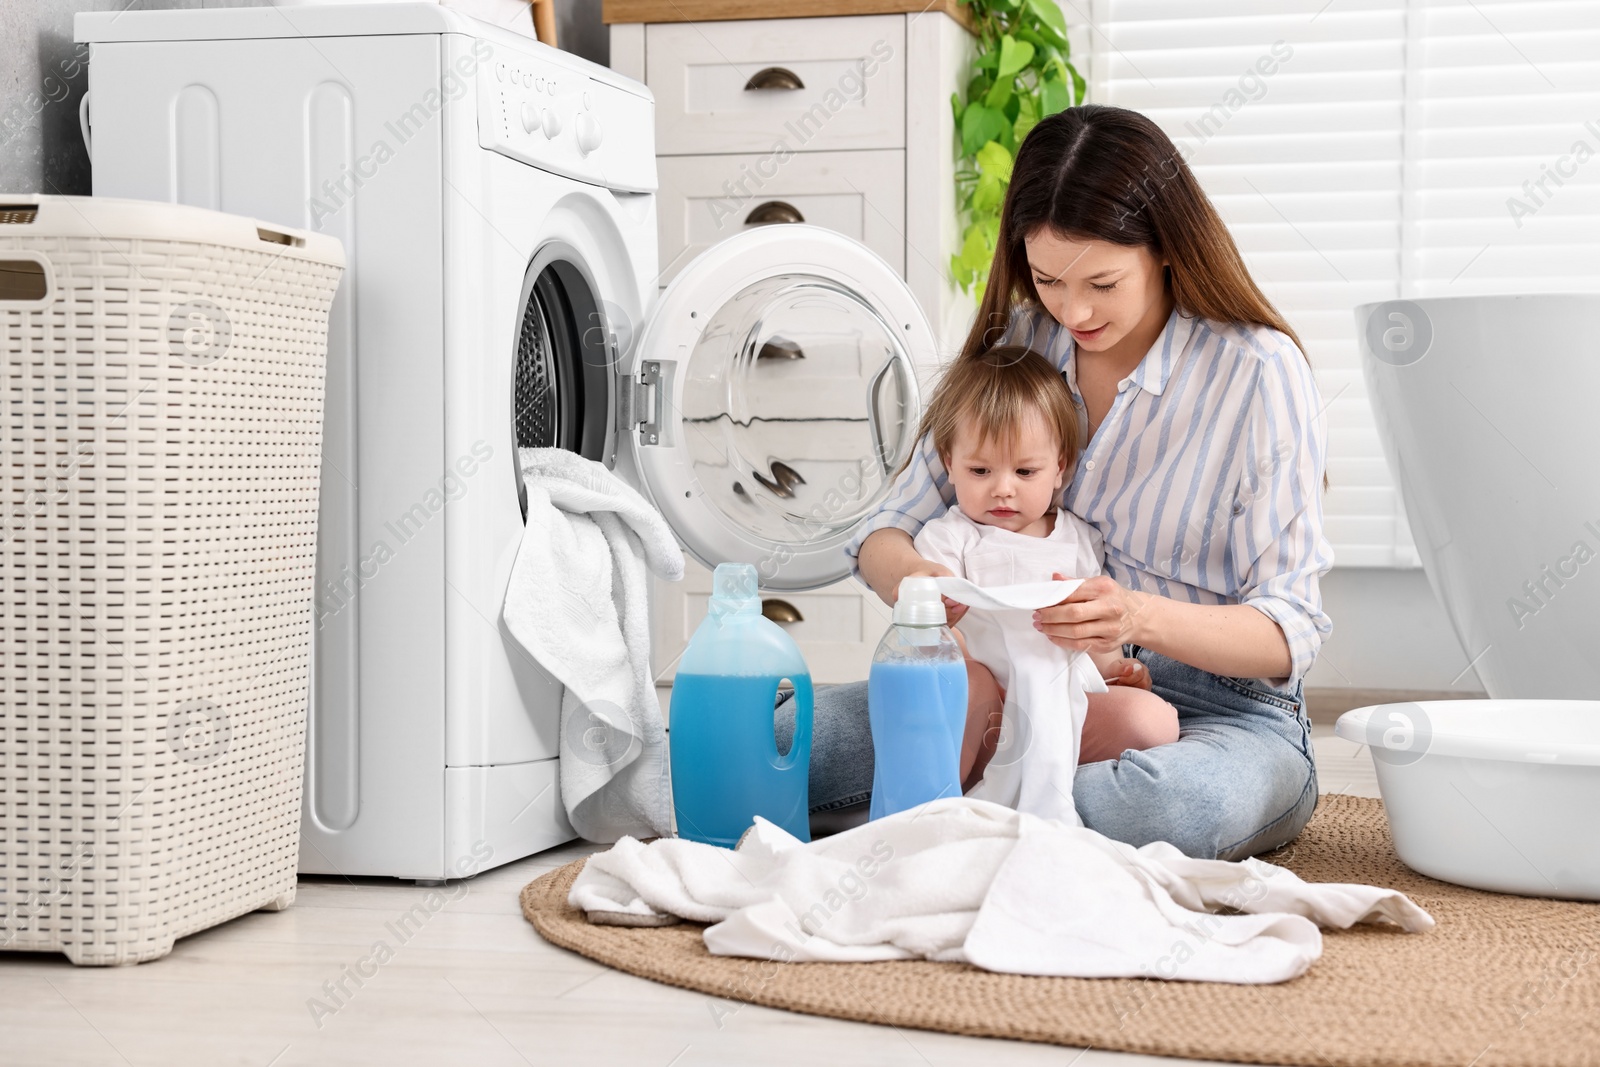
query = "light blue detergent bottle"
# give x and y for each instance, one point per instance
(725, 763)
(916, 704)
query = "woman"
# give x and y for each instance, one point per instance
(1202, 452)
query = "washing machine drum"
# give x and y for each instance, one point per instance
(562, 376)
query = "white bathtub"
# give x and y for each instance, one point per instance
(1494, 794)
(1488, 408)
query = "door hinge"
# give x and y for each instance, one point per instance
(646, 399)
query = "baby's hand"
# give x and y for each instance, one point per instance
(1123, 670)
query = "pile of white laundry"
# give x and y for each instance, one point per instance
(971, 881)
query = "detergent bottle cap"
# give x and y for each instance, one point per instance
(919, 603)
(734, 590)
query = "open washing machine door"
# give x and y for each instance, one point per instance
(771, 397)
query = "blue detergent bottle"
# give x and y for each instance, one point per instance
(725, 763)
(916, 704)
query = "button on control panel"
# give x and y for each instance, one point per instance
(532, 94)
(589, 133)
(535, 110)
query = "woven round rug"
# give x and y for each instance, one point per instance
(1500, 981)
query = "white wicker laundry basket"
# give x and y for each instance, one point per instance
(160, 442)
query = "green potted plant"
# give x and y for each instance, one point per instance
(1021, 73)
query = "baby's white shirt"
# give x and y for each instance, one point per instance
(993, 555)
(1046, 685)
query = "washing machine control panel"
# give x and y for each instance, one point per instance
(560, 119)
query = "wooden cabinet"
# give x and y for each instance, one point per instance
(778, 85)
(840, 121)
(860, 194)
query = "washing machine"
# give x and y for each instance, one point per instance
(495, 198)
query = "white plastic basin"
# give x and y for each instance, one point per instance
(1494, 794)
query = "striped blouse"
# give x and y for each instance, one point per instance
(1204, 478)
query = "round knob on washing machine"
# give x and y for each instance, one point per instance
(552, 123)
(531, 118)
(589, 133)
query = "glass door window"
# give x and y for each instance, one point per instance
(797, 408)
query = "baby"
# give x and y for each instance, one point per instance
(1005, 427)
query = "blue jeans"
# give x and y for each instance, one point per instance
(1239, 780)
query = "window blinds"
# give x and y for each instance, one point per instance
(1502, 148)
(1363, 150)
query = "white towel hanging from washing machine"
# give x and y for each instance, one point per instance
(577, 602)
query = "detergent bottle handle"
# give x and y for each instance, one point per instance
(800, 742)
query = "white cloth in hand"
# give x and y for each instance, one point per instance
(1003, 576)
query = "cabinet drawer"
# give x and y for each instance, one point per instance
(850, 74)
(704, 199)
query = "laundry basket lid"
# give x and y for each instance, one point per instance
(112, 218)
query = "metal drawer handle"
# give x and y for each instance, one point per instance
(786, 475)
(774, 78)
(784, 479)
(776, 488)
(773, 211)
(781, 348)
(781, 611)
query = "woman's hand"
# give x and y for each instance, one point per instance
(1228, 639)
(1099, 616)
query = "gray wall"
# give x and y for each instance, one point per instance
(43, 75)
(1389, 632)
(580, 31)
(42, 78)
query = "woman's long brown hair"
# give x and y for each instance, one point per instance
(1110, 174)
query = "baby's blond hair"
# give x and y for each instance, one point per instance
(997, 389)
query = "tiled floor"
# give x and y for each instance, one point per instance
(474, 986)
